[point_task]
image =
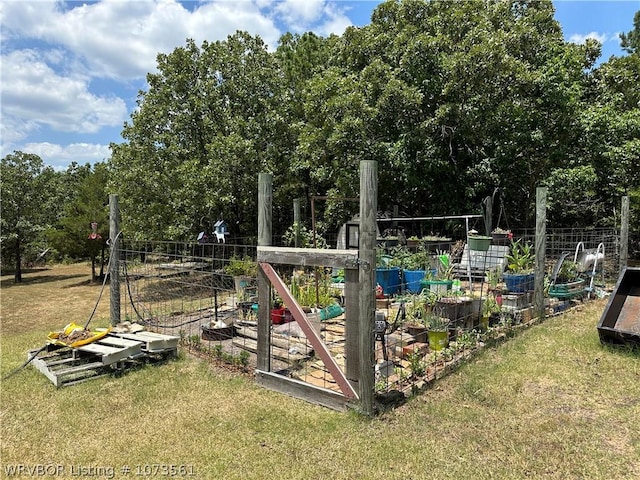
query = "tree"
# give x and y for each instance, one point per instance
(630, 41)
(26, 184)
(207, 125)
(83, 227)
(467, 96)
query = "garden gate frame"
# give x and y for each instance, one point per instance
(357, 381)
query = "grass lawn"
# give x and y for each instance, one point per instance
(552, 402)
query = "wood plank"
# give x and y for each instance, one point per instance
(153, 342)
(277, 340)
(304, 391)
(277, 352)
(119, 342)
(108, 355)
(58, 375)
(309, 257)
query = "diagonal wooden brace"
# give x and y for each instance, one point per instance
(301, 318)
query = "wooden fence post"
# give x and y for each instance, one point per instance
(367, 258)
(540, 247)
(296, 221)
(114, 260)
(265, 209)
(624, 233)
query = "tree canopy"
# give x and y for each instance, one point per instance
(453, 99)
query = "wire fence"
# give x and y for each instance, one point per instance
(185, 289)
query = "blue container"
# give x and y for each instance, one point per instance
(389, 279)
(412, 280)
(331, 311)
(518, 282)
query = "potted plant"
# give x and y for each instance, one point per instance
(519, 276)
(443, 277)
(501, 237)
(478, 242)
(414, 269)
(490, 313)
(457, 307)
(243, 270)
(433, 243)
(437, 330)
(415, 313)
(565, 282)
(494, 276)
(387, 273)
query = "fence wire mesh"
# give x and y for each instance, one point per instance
(184, 289)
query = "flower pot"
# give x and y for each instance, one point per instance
(413, 280)
(454, 308)
(567, 290)
(419, 332)
(479, 243)
(518, 282)
(436, 286)
(281, 315)
(433, 246)
(389, 279)
(217, 334)
(484, 323)
(438, 340)
(503, 239)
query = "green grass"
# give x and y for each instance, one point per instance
(552, 402)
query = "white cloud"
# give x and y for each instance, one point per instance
(34, 94)
(121, 39)
(58, 57)
(59, 157)
(337, 22)
(580, 38)
(320, 16)
(300, 12)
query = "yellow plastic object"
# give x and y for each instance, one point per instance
(97, 334)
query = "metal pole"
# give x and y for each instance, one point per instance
(296, 221)
(624, 233)
(540, 246)
(114, 260)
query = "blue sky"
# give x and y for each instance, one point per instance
(70, 71)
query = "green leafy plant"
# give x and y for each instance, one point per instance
(521, 257)
(445, 267)
(493, 277)
(414, 308)
(435, 322)
(568, 272)
(241, 266)
(310, 290)
(417, 363)
(489, 306)
(305, 236)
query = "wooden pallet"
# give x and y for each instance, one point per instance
(112, 349)
(114, 352)
(66, 367)
(152, 342)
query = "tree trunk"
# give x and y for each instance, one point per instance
(18, 275)
(93, 267)
(102, 262)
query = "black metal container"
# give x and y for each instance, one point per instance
(620, 321)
